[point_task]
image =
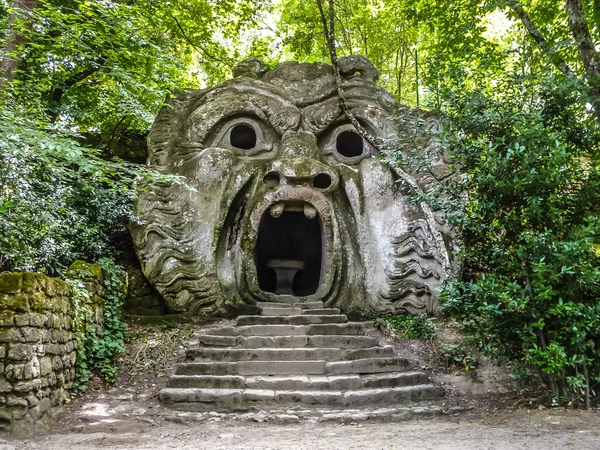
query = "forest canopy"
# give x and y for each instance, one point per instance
(517, 84)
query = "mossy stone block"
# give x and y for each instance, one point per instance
(7, 318)
(10, 282)
(40, 302)
(56, 287)
(14, 302)
(95, 270)
(33, 282)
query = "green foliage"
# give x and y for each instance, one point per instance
(410, 327)
(458, 355)
(386, 32)
(97, 349)
(59, 201)
(531, 289)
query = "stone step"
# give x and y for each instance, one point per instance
(294, 367)
(329, 341)
(199, 398)
(298, 367)
(349, 328)
(291, 320)
(283, 311)
(299, 382)
(295, 311)
(367, 365)
(285, 354)
(321, 312)
(295, 304)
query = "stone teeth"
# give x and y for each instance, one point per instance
(276, 210)
(309, 211)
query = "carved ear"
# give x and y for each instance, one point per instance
(167, 126)
(349, 65)
(251, 68)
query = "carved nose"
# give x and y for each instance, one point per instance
(299, 164)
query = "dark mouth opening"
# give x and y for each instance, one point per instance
(289, 251)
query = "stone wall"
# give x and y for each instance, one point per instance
(37, 347)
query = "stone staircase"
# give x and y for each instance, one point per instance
(293, 354)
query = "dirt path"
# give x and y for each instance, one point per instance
(521, 430)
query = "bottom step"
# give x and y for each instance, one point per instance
(195, 399)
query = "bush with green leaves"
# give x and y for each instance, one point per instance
(59, 200)
(531, 288)
(409, 327)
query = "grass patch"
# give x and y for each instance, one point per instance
(408, 327)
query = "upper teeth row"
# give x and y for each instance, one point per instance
(276, 210)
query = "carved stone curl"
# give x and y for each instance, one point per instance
(287, 201)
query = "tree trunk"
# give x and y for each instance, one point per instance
(16, 39)
(585, 46)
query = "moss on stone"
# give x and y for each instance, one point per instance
(95, 270)
(7, 318)
(10, 282)
(33, 282)
(14, 302)
(40, 302)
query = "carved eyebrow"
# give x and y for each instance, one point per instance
(235, 100)
(318, 117)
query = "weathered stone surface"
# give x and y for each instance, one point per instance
(20, 352)
(142, 298)
(281, 367)
(334, 370)
(290, 200)
(265, 354)
(7, 318)
(367, 365)
(93, 271)
(281, 311)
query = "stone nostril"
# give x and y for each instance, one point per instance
(272, 179)
(322, 181)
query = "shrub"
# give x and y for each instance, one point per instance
(531, 287)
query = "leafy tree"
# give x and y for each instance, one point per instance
(385, 32)
(75, 76)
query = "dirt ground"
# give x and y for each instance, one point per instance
(485, 411)
(518, 430)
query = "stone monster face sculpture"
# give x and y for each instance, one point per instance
(285, 201)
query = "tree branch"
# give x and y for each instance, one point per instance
(539, 38)
(58, 92)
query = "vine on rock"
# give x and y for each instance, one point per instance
(100, 338)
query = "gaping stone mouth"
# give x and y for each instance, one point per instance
(289, 252)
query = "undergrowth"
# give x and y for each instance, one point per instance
(408, 327)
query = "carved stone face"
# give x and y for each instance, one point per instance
(287, 200)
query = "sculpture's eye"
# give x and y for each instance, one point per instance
(349, 144)
(346, 145)
(243, 136)
(246, 136)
